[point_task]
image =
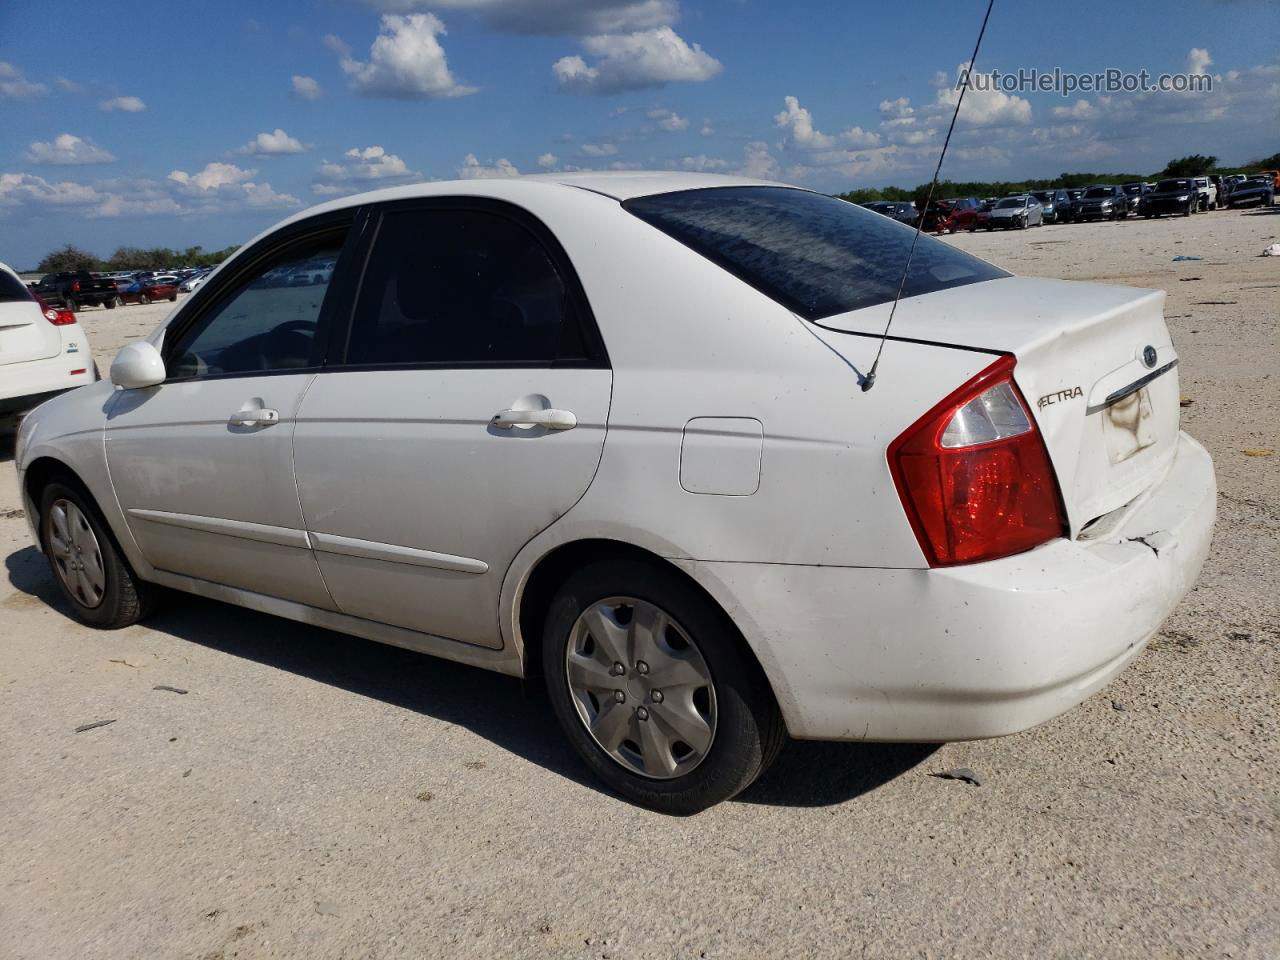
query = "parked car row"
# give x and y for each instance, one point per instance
(1180, 195)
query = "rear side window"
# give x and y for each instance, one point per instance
(813, 254)
(12, 289)
(460, 287)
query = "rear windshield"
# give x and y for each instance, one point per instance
(12, 289)
(813, 254)
(1095, 192)
(1169, 186)
(1008, 202)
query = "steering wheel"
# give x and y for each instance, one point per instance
(280, 341)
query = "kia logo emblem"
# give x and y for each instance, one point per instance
(1149, 356)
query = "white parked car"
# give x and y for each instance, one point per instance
(43, 350)
(607, 431)
(1017, 213)
(193, 282)
(1208, 191)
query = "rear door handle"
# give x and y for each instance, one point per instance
(551, 419)
(255, 417)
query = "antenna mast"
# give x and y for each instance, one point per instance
(869, 380)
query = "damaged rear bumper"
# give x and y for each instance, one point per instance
(974, 651)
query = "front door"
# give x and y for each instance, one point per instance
(202, 464)
(468, 414)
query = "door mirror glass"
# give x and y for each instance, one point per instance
(137, 365)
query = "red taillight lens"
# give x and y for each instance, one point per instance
(59, 317)
(75, 287)
(974, 475)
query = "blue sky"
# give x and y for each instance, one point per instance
(205, 122)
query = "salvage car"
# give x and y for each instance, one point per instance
(1260, 191)
(1174, 195)
(151, 290)
(43, 351)
(1102, 202)
(522, 426)
(1018, 213)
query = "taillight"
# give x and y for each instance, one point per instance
(59, 317)
(75, 287)
(974, 475)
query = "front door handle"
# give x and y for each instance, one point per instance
(552, 419)
(255, 417)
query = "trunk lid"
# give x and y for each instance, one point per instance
(25, 334)
(1108, 411)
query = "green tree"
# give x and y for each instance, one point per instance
(1194, 165)
(67, 258)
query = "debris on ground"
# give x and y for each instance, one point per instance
(326, 908)
(165, 686)
(1257, 451)
(12, 514)
(425, 795)
(1185, 402)
(474, 764)
(126, 663)
(1184, 257)
(1188, 279)
(1271, 251)
(960, 773)
(93, 726)
(1117, 705)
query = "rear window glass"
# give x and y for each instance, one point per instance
(11, 288)
(814, 254)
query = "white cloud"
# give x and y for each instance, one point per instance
(555, 17)
(213, 176)
(272, 144)
(473, 169)
(221, 186)
(405, 62)
(668, 120)
(1198, 60)
(599, 149)
(803, 134)
(22, 189)
(15, 86)
(1080, 110)
(67, 85)
(67, 149)
(359, 169)
(702, 163)
(896, 109)
(547, 161)
(305, 88)
(124, 104)
(634, 61)
(983, 108)
(758, 162)
(707, 129)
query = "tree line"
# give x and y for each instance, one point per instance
(72, 258)
(1194, 165)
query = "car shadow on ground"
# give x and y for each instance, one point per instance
(807, 774)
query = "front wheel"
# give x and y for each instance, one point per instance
(87, 565)
(144, 299)
(654, 688)
(173, 297)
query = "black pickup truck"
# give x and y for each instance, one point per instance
(76, 290)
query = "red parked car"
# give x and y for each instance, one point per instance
(146, 291)
(948, 216)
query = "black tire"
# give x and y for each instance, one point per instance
(125, 598)
(109, 303)
(749, 732)
(173, 297)
(143, 299)
(1190, 210)
(71, 304)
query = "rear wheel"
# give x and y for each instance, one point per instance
(89, 569)
(653, 688)
(144, 299)
(173, 297)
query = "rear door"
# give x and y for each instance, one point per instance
(466, 415)
(25, 332)
(202, 464)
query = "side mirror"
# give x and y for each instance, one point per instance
(137, 365)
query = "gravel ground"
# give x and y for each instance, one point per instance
(318, 796)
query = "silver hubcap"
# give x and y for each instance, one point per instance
(75, 552)
(641, 687)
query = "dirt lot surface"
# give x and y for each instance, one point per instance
(317, 796)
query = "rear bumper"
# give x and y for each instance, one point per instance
(24, 385)
(971, 652)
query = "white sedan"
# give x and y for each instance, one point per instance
(607, 431)
(43, 350)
